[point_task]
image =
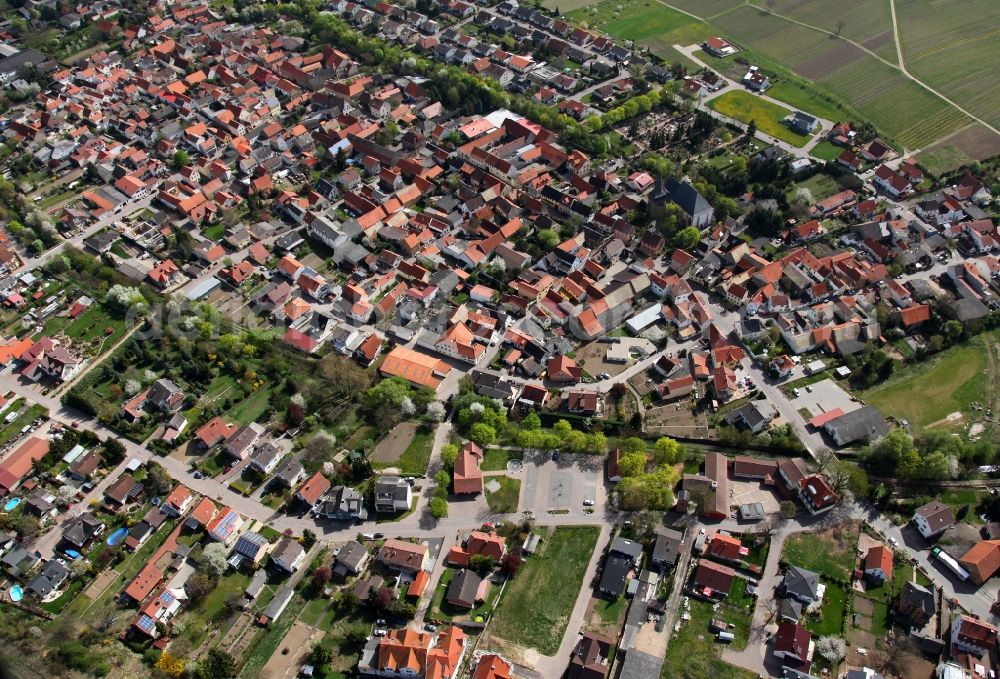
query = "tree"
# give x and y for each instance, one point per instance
(320, 655)
(633, 445)
(449, 454)
(216, 664)
(511, 563)
(531, 422)
(482, 563)
(632, 464)
(436, 411)
(213, 559)
(200, 585)
(687, 237)
(158, 481)
(667, 451)
(171, 666)
(320, 447)
(438, 507)
(482, 433)
(345, 378)
(308, 539)
(321, 575)
(548, 239)
(787, 509)
(181, 159)
(833, 649)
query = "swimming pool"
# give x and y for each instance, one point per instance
(16, 593)
(117, 536)
(11, 504)
(72, 553)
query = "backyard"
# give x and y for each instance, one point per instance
(540, 598)
(407, 447)
(693, 652)
(831, 618)
(829, 553)
(766, 115)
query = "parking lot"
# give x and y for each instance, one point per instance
(823, 397)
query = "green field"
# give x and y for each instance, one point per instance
(826, 151)
(504, 501)
(929, 391)
(764, 114)
(693, 652)
(829, 553)
(537, 604)
(650, 24)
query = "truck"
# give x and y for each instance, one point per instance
(951, 563)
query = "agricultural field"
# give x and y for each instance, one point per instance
(971, 143)
(927, 393)
(765, 115)
(706, 9)
(867, 22)
(648, 23)
(901, 109)
(955, 52)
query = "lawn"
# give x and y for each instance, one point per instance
(206, 614)
(829, 553)
(693, 652)
(963, 503)
(414, 459)
(931, 390)
(738, 596)
(504, 501)
(766, 115)
(826, 150)
(538, 602)
(213, 465)
(214, 232)
(610, 611)
(252, 408)
(495, 459)
(831, 621)
(819, 186)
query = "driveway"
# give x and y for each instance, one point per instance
(824, 396)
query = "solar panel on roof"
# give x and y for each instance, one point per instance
(146, 623)
(167, 598)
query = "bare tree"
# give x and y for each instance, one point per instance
(840, 27)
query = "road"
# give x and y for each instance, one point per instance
(77, 240)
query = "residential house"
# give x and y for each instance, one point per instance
(623, 556)
(878, 564)
(406, 652)
(225, 526)
(591, 658)
(816, 494)
(342, 503)
(982, 560)
(713, 579)
(793, 644)
(351, 560)
(667, 548)
(973, 636)
(252, 545)
(915, 604)
(312, 490)
(392, 494)
(933, 518)
(465, 589)
(399, 555)
(800, 584)
(288, 555)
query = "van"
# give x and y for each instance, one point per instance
(725, 637)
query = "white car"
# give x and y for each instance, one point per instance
(588, 503)
(894, 542)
